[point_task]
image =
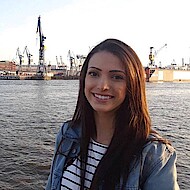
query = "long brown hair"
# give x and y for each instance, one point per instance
(132, 123)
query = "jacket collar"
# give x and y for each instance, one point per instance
(73, 132)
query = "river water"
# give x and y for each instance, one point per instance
(31, 113)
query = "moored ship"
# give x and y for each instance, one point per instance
(9, 77)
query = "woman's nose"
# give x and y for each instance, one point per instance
(103, 84)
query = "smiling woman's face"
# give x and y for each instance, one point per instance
(105, 82)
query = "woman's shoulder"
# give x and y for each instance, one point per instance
(157, 153)
(158, 162)
(69, 130)
(158, 146)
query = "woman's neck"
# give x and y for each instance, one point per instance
(104, 128)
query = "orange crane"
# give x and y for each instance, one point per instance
(28, 55)
(41, 66)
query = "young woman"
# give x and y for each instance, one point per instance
(109, 143)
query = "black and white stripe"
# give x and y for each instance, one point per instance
(71, 176)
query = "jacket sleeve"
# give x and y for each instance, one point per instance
(159, 170)
(57, 141)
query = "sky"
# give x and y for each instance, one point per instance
(78, 25)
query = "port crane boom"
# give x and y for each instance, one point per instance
(153, 55)
(28, 55)
(41, 65)
(20, 56)
(71, 60)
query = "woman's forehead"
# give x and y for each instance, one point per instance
(105, 60)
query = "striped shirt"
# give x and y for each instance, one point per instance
(71, 176)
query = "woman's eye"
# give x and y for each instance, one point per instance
(118, 77)
(92, 73)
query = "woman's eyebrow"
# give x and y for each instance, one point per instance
(111, 71)
(118, 71)
(94, 68)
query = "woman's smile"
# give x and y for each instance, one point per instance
(102, 97)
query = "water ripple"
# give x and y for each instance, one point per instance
(31, 113)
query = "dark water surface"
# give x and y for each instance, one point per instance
(31, 113)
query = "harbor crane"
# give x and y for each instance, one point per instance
(28, 55)
(41, 65)
(61, 60)
(154, 54)
(58, 63)
(71, 60)
(61, 63)
(81, 59)
(20, 56)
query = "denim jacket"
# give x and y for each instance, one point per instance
(155, 170)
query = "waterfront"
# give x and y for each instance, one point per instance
(31, 113)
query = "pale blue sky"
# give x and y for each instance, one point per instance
(77, 25)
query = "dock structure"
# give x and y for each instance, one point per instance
(167, 75)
